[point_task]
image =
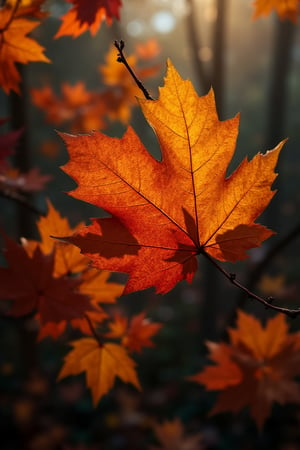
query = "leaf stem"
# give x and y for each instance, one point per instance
(268, 303)
(19, 198)
(122, 59)
(13, 13)
(92, 328)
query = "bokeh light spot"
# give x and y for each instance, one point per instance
(163, 22)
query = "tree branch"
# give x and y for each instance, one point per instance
(13, 13)
(122, 59)
(268, 303)
(256, 273)
(20, 199)
(92, 328)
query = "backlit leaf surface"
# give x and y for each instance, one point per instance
(164, 213)
(102, 363)
(256, 369)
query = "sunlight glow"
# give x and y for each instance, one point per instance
(163, 22)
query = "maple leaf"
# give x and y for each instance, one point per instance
(82, 109)
(29, 283)
(165, 213)
(136, 334)
(96, 285)
(85, 110)
(286, 9)
(256, 369)
(33, 8)
(102, 364)
(16, 47)
(68, 260)
(272, 285)
(85, 16)
(149, 49)
(67, 257)
(171, 436)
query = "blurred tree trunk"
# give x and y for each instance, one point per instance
(24, 216)
(279, 74)
(278, 96)
(203, 77)
(19, 120)
(218, 68)
(276, 110)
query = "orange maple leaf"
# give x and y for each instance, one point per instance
(29, 283)
(165, 213)
(67, 257)
(85, 16)
(16, 47)
(256, 369)
(149, 49)
(102, 363)
(82, 109)
(33, 8)
(171, 436)
(286, 9)
(136, 334)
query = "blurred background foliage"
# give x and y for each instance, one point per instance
(254, 68)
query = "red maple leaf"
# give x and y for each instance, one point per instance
(136, 334)
(29, 283)
(256, 369)
(89, 15)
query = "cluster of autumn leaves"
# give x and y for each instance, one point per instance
(54, 281)
(18, 18)
(162, 216)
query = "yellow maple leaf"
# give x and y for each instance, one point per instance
(102, 363)
(16, 47)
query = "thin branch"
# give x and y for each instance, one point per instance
(92, 328)
(256, 273)
(268, 303)
(13, 13)
(21, 199)
(122, 59)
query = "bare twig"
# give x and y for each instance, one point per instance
(268, 303)
(122, 59)
(21, 199)
(92, 328)
(13, 13)
(258, 270)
